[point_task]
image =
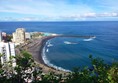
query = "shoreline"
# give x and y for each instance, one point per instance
(36, 48)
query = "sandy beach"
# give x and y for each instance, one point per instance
(35, 48)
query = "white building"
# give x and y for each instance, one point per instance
(7, 50)
(19, 36)
(27, 35)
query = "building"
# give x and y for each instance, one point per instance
(0, 36)
(27, 35)
(19, 36)
(7, 50)
(4, 37)
(4, 34)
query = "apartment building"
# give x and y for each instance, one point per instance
(19, 36)
(7, 50)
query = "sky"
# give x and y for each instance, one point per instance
(58, 10)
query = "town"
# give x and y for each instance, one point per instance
(19, 37)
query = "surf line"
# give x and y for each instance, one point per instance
(43, 55)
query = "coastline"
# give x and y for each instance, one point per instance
(36, 48)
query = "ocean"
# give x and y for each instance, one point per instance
(69, 52)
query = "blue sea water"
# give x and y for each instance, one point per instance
(67, 52)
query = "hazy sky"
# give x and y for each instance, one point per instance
(58, 10)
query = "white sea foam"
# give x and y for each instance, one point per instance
(90, 39)
(47, 50)
(46, 61)
(94, 37)
(67, 42)
(49, 44)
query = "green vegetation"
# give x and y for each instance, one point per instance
(9, 38)
(35, 35)
(27, 70)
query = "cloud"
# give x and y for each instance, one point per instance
(109, 14)
(75, 17)
(34, 10)
(92, 15)
(43, 7)
(107, 5)
(33, 7)
(89, 15)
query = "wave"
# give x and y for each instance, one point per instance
(90, 39)
(49, 44)
(47, 50)
(67, 42)
(46, 61)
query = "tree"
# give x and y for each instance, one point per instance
(27, 69)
